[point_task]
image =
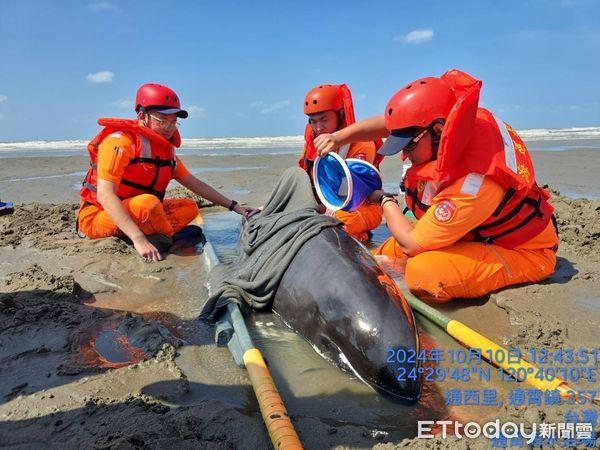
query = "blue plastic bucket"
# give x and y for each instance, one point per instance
(344, 183)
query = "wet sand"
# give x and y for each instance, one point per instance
(99, 349)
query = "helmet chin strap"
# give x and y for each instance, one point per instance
(340, 118)
(435, 138)
(142, 116)
(435, 144)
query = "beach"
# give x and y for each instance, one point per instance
(66, 300)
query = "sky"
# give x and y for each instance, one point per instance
(242, 68)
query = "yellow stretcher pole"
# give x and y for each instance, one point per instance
(276, 418)
(499, 355)
(472, 339)
(278, 423)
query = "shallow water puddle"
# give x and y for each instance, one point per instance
(115, 348)
(109, 348)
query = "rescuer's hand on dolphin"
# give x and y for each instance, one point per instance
(246, 211)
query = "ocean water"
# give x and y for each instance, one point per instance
(230, 146)
(545, 139)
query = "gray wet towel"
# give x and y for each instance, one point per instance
(268, 244)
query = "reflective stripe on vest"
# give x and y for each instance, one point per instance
(146, 147)
(509, 146)
(343, 151)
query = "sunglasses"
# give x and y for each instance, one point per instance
(414, 141)
(161, 123)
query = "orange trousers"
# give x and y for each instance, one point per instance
(366, 218)
(147, 211)
(469, 269)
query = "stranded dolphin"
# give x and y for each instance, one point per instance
(325, 286)
(336, 296)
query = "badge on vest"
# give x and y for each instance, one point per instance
(444, 211)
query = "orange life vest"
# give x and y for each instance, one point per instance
(149, 172)
(309, 153)
(492, 149)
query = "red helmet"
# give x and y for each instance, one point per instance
(414, 107)
(327, 97)
(419, 104)
(152, 96)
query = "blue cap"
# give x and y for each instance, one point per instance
(396, 141)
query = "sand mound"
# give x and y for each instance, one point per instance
(38, 221)
(36, 279)
(578, 224)
(51, 227)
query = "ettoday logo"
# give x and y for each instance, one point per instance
(508, 430)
